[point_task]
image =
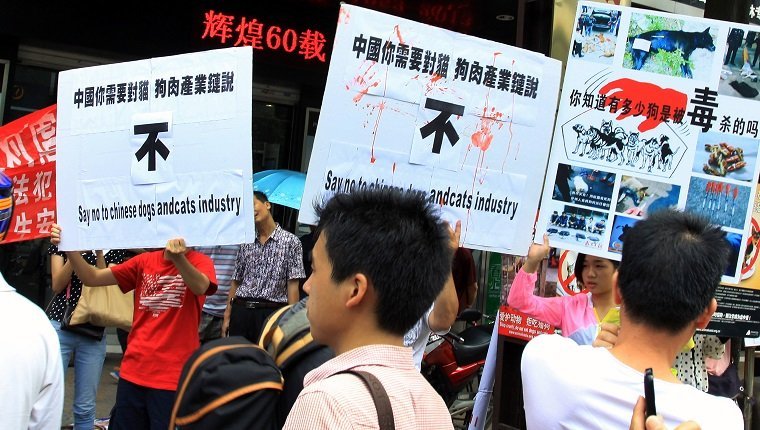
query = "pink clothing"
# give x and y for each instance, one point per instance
(574, 315)
(344, 402)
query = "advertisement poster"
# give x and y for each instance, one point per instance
(155, 149)
(661, 113)
(27, 180)
(464, 121)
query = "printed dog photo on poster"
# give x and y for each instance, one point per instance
(641, 197)
(669, 46)
(596, 33)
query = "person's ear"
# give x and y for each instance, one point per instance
(359, 287)
(706, 315)
(615, 290)
(268, 205)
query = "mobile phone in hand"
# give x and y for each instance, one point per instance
(649, 393)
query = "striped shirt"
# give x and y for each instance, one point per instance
(223, 257)
(343, 402)
(263, 271)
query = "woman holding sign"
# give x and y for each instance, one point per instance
(577, 316)
(85, 341)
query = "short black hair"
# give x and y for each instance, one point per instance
(671, 266)
(397, 240)
(261, 196)
(578, 268)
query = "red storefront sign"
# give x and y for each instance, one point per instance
(245, 31)
(515, 324)
(27, 159)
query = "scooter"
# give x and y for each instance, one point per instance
(453, 362)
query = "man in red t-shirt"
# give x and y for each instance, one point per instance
(170, 286)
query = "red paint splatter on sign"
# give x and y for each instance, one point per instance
(380, 108)
(398, 34)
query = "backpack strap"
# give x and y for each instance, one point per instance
(266, 332)
(379, 397)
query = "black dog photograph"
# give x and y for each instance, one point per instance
(668, 46)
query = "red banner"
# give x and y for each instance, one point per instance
(513, 323)
(27, 180)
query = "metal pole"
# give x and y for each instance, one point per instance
(749, 385)
(485, 388)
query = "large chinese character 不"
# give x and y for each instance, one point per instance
(152, 143)
(441, 124)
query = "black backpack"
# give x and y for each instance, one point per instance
(232, 383)
(287, 337)
(228, 383)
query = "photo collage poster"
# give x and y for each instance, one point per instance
(657, 111)
(650, 117)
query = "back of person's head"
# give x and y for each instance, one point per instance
(397, 241)
(671, 266)
(260, 196)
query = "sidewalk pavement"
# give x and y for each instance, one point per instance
(106, 391)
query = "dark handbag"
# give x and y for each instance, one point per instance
(87, 329)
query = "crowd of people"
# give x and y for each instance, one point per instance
(375, 311)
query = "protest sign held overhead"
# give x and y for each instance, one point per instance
(27, 180)
(658, 111)
(154, 149)
(650, 118)
(462, 120)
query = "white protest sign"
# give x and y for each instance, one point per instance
(651, 118)
(463, 120)
(154, 149)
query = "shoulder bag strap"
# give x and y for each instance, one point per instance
(379, 397)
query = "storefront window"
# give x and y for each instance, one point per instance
(29, 89)
(272, 126)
